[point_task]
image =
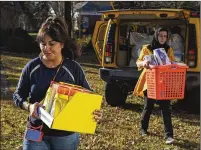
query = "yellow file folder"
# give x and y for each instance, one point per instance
(77, 115)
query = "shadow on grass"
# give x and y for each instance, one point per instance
(12, 82)
(6, 86)
(91, 72)
(88, 57)
(131, 106)
(20, 55)
(12, 69)
(90, 65)
(188, 118)
(4, 75)
(185, 117)
(193, 123)
(186, 144)
(7, 97)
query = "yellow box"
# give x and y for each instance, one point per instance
(74, 114)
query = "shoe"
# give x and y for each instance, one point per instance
(144, 132)
(169, 140)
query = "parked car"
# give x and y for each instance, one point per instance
(119, 37)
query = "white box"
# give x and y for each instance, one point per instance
(152, 59)
(161, 56)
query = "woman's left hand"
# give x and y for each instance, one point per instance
(98, 115)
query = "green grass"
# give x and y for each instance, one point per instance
(119, 128)
(33, 35)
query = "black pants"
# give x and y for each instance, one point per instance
(165, 111)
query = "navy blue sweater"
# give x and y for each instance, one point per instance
(35, 81)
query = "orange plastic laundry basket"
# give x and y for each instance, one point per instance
(166, 82)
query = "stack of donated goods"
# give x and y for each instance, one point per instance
(165, 79)
(159, 57)
(138, 40)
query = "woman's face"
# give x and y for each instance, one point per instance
(50, 48)
(162, 37)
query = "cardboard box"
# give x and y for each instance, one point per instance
(76, 114)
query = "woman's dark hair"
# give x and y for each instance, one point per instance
(57, 29)
(155, 43)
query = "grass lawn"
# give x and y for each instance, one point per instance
(33, 35)
(119, 128)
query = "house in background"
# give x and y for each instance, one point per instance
(86, 14)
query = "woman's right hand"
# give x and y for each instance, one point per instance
(33, 109)
(145, 64)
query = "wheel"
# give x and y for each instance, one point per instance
(115, 94)
(191, 101)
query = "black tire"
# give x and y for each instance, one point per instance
(115, 94)
(191, 101)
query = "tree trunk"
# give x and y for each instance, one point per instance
(32, 20)
(67, 16)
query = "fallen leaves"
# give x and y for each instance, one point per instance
(119, 128)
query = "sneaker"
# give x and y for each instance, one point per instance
(169, 140)
(144, 132)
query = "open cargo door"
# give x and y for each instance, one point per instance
(98, 38)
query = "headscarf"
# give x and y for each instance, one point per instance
(155, 43)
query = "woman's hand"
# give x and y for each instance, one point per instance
(33, 109)
(98, 114)
(146, 64)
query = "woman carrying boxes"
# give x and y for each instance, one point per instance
(54, 63)
(159, 41)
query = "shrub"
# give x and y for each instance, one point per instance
(86, 43)
(21, 42)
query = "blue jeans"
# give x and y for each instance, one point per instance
(70, 142)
